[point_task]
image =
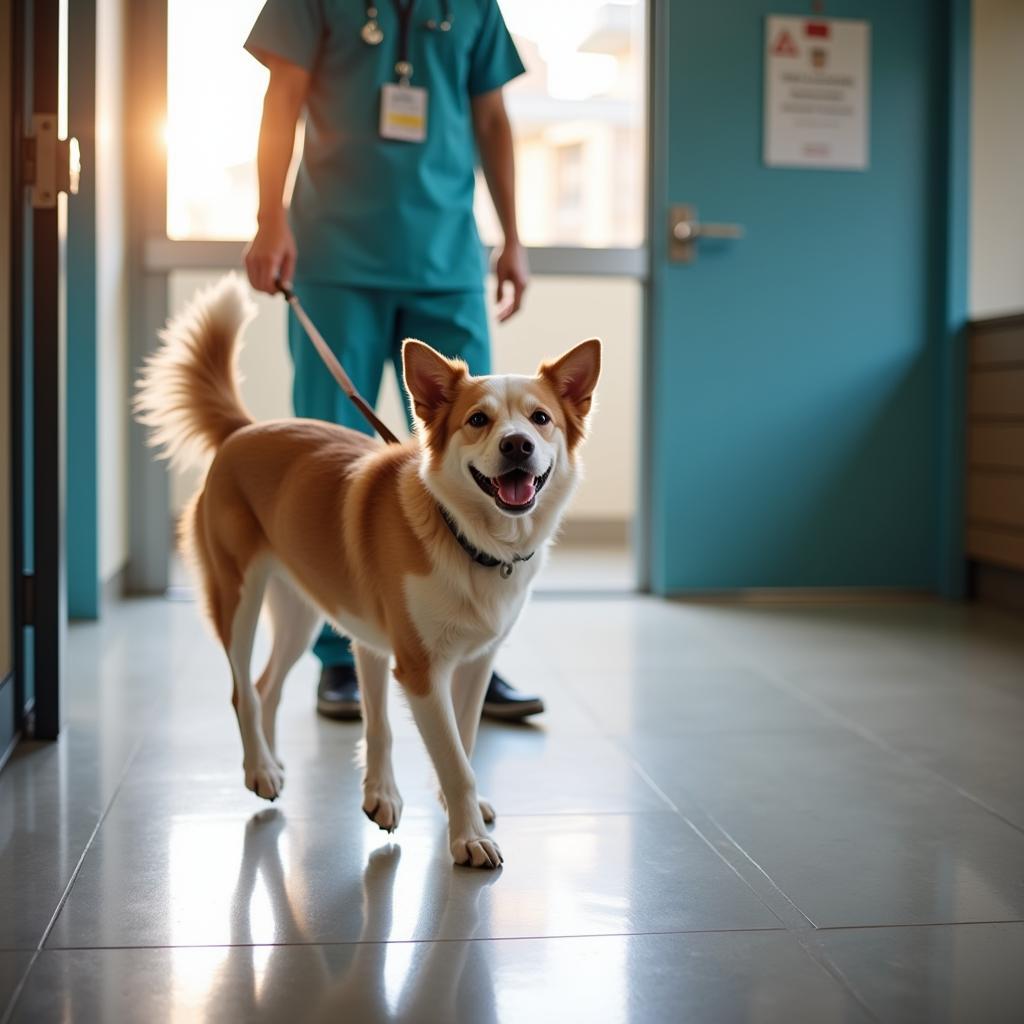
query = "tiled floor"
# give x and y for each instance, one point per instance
(728, 814)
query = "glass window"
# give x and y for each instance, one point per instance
(214, 102)
(578, 119)
(577, 116)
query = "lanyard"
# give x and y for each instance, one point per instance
(404, 11)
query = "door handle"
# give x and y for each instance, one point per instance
(685, 229)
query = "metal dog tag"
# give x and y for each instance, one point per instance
(506, 570)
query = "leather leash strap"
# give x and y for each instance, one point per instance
(332, 364)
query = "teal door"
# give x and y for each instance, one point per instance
(796, 373)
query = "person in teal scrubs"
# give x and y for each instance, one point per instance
(379, 241)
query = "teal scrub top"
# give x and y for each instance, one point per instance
(377, 213)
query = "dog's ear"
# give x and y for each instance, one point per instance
(574, 376)
(430, 379)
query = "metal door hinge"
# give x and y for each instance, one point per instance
(49, 165)
(28, 599)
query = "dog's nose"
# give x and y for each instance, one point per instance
(516, 447)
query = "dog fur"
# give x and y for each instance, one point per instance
(314, 521)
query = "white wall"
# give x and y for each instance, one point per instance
(997, 158)
(558, 313)
(111, 288)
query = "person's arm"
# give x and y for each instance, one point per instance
(494, 140)
(271, 254)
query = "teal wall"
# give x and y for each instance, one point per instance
(82, 494)
(803, 379)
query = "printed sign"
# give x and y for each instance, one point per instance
(816, 92)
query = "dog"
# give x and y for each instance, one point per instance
(423, 552)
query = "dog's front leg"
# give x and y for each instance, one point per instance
(430, 698)
(469, 687)
(382, 802)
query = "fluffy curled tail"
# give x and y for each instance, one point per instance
(187, 393)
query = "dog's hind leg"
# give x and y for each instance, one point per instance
(293, 621)
(263, 775)
(382, 802)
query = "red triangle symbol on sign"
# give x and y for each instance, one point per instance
(784, 46)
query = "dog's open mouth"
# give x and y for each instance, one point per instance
(515, 491)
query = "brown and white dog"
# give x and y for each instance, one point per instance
(423, 551)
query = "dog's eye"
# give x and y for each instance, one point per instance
(478, 419)
(540, 417)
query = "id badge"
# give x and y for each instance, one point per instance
(403, 112)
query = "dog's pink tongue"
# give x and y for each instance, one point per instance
(516, 488)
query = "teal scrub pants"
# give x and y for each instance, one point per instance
(365, 328)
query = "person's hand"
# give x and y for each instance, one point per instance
(511, 269)
(271, 255)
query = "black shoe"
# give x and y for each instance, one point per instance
(505, 703)
(337, 696)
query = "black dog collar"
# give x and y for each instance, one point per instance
(478, 556)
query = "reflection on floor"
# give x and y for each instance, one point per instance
(728, 814)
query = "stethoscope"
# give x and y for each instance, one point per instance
(373, 34)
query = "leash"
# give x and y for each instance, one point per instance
(332, 364)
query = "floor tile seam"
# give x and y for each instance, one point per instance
(798, 925)
(639, 770)
(694, 810)
(793, 920)
(762, 885)
(781, 683)
(614, 742)
(418, 819)
(129, 761)
(817, 954)
(426, 940)
(825, 928)
(901, 755)
(22, 981)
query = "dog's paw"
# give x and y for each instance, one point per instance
(476, 851)
(266, 780)
(383, 806)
